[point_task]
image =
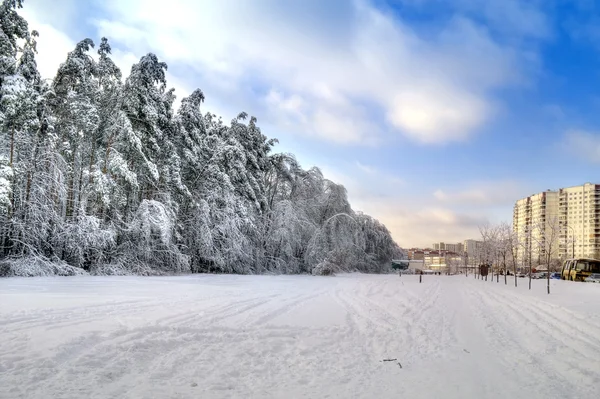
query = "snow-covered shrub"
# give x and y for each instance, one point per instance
(85, 241)
(148, 247)
(37, 266)
(324, 268)
(113, 269)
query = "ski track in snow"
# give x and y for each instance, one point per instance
(297, 337)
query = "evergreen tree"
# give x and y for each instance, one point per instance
(104, 176)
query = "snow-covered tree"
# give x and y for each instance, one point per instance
(102, 175)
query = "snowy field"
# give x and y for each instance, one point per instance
(297, 337)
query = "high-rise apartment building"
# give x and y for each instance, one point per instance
(472, 248)
(536, 224)
(456, 248)
(566, 221)
(440, 246)
(579, 216)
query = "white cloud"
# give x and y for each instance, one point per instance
(325, 76)
(338, 71)
(380, 178)
(53, 44)
(482, 193)
(432, 116)
(554, 111)
(366, 168)
(517, 17)
(418, 223)
(583, 144)
(520, 18)
(412, 220)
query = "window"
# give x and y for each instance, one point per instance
(587, 266)
(581, 265)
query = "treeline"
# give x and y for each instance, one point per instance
(100, 174)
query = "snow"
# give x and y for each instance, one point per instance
(232, 336)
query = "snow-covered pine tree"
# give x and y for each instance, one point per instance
(102, 175)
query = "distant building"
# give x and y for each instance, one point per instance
(457, 248)
(442, 261)
(532, 219)
(416, 265)
(472, 250)
(416, 254)
(573, 211)
(440, 246)
(579, 221)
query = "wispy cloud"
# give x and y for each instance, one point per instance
(513, 18)
(366, 168)
(53, 43)
(482, 193)
(348, 73)
(412, 219)
(310, 73)
(584, 144)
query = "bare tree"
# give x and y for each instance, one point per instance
(546, 237)
(454, 263)
(489, 233)
(525, 244)
(505, 245)
(513, 245)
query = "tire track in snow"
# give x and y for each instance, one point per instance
(285, 307)
(199, 312)
(408, 334)
(49, 318)
(554, 328)
(577, 326)
(546, 372)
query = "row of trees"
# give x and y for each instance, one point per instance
(537, 246)
(100, 174)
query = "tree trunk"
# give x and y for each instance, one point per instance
(548, 273)
(107, 153)
(12, 178)
(79, 191)
(12, 146)
(529, 263)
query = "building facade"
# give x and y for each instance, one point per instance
(563, 223)
(472, 250)
(579, 218)
(443, 262)
(456, 248)
(440, 246)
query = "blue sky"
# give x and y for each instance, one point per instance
(436, 115)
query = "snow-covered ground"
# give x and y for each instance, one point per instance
(297, 336)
